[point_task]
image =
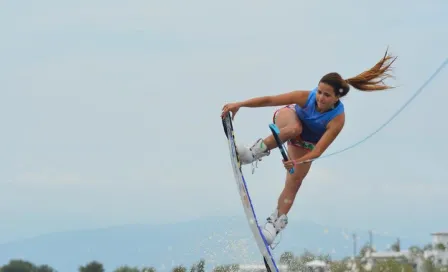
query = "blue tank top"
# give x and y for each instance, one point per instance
(314, 123)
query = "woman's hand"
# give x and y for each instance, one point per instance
(289, 164)
(231, 107)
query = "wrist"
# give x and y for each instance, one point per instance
(241, 104)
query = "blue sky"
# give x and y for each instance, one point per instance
(108, 105)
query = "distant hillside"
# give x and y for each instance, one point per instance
(218, 240)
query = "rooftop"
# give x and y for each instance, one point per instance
(444, 233)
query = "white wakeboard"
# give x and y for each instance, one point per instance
(269, 261)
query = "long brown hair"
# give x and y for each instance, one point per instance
(369, 80)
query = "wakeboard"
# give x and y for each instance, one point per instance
(246, 200)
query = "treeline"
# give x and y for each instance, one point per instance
(18, 265)
(359, 263)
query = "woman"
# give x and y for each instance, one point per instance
(309, 121)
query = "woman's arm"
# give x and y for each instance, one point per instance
(334, 127)
(294, 97)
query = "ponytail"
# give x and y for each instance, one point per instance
(373, 79)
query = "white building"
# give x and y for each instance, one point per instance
(372, 258)
(440, 238)
(439, 254)
(439, 251)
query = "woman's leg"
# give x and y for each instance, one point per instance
(279, 219)
(289, 126)
(293, 181)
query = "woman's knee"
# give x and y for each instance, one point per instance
(287, 119)
(291, 131)
(285, 116)
(295, 129)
